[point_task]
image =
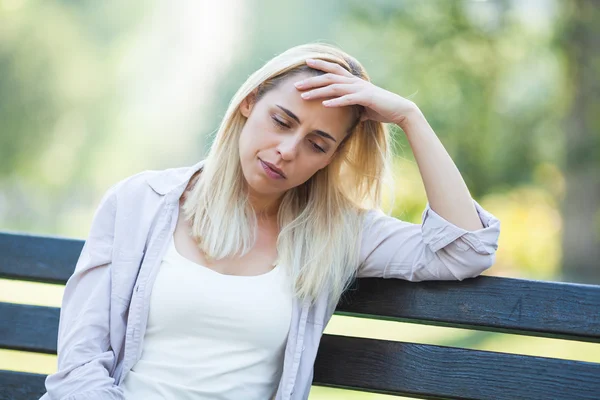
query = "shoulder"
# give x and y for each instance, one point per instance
(136, 191)
(133, 185)
(153, 182)
(379, 225)
(374, 216)
(149, 187)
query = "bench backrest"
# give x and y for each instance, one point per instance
(525, 307)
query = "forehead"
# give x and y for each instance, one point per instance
(334, 120)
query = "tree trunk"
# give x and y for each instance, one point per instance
(581, 207)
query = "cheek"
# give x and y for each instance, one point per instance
(255, 136)
(306, 169)
(248, 139)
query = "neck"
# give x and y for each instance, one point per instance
(265, 206)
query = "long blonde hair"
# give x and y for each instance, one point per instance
(321, 220)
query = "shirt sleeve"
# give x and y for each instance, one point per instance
(85, 357)
(433, 250)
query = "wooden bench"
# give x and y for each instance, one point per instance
(525, 307)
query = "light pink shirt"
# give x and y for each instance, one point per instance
(105, 305)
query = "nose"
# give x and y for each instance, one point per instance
(288, 147)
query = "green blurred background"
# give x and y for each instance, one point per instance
(94, 91)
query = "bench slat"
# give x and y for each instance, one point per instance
(21, 385)
(436, 372)
(534, 308)
(421, 371)
(38, 258)
(29, 328)
(527, 307)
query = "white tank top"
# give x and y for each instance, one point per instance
(210, 335)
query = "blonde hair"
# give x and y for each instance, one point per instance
(321, 220)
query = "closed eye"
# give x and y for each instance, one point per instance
(279, 123)
(317, 147)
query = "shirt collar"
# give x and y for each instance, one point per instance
(165, 181)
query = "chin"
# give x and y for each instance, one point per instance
(259, 184)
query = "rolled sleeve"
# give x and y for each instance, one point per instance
(433, 250)
(439, 233)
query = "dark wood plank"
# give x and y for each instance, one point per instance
(534, 308)
(38, 258)
(439, 372)
(29, 328)
(21, 385)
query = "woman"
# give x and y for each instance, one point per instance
(216, 281)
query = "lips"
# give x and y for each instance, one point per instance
(274, 168)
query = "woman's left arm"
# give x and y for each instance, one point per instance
(446, 190)
(457, 238)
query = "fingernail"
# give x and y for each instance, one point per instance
(299, 83)
(305, 95)
(310, 60)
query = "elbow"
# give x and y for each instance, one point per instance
(476, 266)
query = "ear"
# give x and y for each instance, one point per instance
(248, 103)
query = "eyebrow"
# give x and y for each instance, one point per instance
(317, 131)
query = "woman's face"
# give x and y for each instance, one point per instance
(297, 136)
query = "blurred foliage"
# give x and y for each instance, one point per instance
(81, 107)
(489, 83)
(579, 36)
(57, 102)
(57, 62)
(490, 79)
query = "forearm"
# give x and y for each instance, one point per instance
(446, 190)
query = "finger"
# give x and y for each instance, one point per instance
(346, 100)
(321, 80)
(328, 67)
(335, 90)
